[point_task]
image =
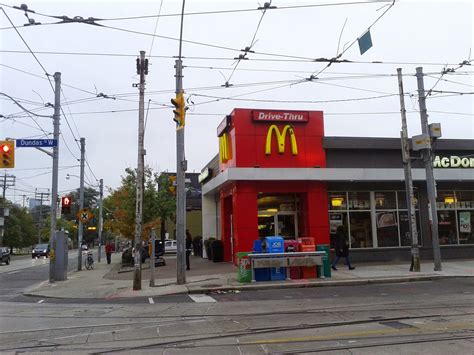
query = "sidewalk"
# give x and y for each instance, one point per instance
(110, 281)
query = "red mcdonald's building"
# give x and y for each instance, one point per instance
(258, 144)
(277, 174)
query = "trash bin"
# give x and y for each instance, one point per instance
(307, 244)
(244, 272)
(217, 251)
(292, 246)
(261, 274)
(326, 268)
(276, 244)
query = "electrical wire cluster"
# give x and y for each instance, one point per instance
(247, 54)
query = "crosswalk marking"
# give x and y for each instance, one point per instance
(201, 298)
(151, 300)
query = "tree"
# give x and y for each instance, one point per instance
(158, 204)
(19, 228)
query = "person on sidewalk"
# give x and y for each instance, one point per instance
(108, 251)
(342, 249)
(189, 248)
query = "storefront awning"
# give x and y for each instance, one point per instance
(330, 174)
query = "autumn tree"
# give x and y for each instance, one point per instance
(158, 204)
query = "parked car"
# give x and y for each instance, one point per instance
(170, 246)
(5, 255)
(40, 250)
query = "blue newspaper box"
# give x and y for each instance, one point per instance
(264, 273)
(276, 244)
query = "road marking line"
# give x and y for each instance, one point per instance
(40, 301)
(151, 300)
(13, 272)
(201, 298)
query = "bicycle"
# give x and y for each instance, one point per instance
(89, 262)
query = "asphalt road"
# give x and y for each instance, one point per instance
(435, 317)
(24, 273)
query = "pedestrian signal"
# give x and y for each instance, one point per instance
(66, 204)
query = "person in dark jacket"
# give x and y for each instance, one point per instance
(189, 248)
(341, 248)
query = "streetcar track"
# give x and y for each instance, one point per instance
(249, 331)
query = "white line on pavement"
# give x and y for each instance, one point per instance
(40, 301)
(201, 298)
(151, 300)
(13, 272)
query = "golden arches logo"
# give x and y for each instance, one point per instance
(224, 149)
(281, 138)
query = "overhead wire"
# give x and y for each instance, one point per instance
(248, 49)
(215, 11)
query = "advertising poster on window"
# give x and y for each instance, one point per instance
(465, 222)
(335, 220)
(386, 219)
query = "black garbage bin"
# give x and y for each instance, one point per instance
(217, 250)
(207, 245)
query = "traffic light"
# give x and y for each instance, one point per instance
(180, 111)
(66, 204)
(7, 149)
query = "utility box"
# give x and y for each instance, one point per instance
(435, 130)
(423, 141)
(60, 256)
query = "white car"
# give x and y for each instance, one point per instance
(170, 246)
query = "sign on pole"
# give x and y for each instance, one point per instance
(22, 143)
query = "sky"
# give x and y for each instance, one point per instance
(97, 66)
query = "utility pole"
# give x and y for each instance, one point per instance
(415, 253)
(181, 167)
(101, 195)
(8, 180)
(40, 216)
(81, 206)
(54, 188)
(142, 70)
(430, 181)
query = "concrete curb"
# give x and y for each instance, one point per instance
(328, 283)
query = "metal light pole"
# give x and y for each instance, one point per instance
(81, 206)
(415, 253)
(101, 195)
(430, 181)
(181, 167)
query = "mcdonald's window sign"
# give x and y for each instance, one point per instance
(281, 116)
(225, 153)
(280, 136)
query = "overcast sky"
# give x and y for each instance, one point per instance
(358, 99)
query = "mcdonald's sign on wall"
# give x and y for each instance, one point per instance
(272, 139)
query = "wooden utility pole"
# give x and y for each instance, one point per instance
(142, 70)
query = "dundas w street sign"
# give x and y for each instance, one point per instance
(22, 143)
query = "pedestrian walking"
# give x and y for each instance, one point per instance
(189, 247)
(108, 251)
(342, 249)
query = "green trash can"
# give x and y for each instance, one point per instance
(326, 269)
(244, 272)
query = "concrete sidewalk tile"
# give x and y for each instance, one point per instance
(106, 282)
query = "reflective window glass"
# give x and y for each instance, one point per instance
(360, 230)
(466, 227)
(447, 227)
(385, 200)
(359, 200)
